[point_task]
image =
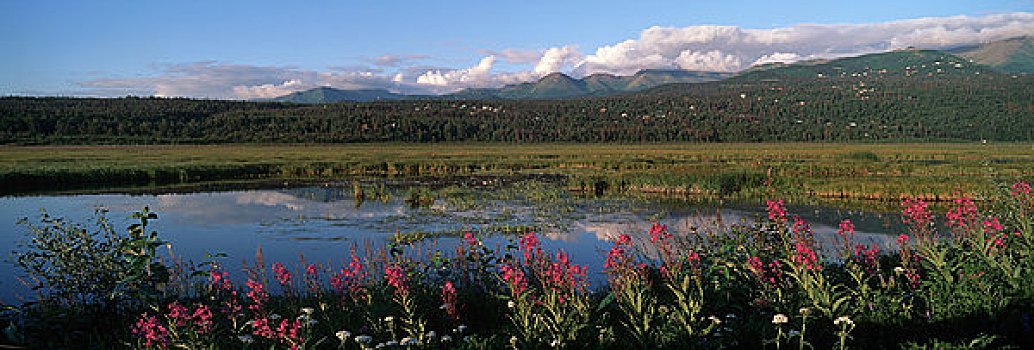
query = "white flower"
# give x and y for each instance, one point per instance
(555, 343)
(446, 338)
(511, 304)
(246, 339)
(513, 340)
(363, 339)
(389, 319)
(431, 335)
(714, 319)
(805, 311)
(779, 319)
(461, 329)
(343, 335)
(274, 316)
(843, 319)
(443, 307)
(407, 341)
(899, 270)
(730, 316)
(308, 310)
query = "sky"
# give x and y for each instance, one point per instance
(258, 49)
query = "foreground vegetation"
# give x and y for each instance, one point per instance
(862, 171)
(968, 283)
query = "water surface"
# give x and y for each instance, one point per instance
(323, 222)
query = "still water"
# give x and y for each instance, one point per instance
(323, 222)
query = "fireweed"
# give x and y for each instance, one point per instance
(549, 297)
(664, 289)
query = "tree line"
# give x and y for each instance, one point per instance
(837, 109)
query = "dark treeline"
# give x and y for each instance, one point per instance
(846, 108)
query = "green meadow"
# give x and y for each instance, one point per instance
(842, 171)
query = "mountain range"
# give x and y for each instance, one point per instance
(1011, 56)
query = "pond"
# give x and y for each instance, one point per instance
(321, 222)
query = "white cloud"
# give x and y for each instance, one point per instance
(270, 90)
(729, 48)
(709, 48)
(778, 57)
(714, 61)
(558, 58)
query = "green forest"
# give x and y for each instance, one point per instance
(919, 98)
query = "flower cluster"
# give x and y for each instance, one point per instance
(514, 278)
(312, 278)
(151, 331)
(563, 276)
(963, 214)
(470, 238)
(776, 210)
(530, 246)
(287, 331)
(868, 257)
(282, 275)
(350, 279)
(805, 256)
(181, 316)
(396, 278)
(449, 301)
(915, 211)
(770, 275)
(257, 294)
(659, 235)
(846, 233)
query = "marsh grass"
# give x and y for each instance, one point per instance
(874, 172)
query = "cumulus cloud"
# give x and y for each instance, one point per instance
(705, 47)
(728, 48)
(558, 58)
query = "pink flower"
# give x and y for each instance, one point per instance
(846, 230)
(776, 210)
(148, 328)
(470, 238)
(178, 313)
(257, 294)
(202, 318)
(869, 257)
(514, 277)
(659, 234)
(806, 257)
(964, 212)
(449, 299)
(530, 246)
(396, 278)
(903, 240)
(915, 211)
(282, 275)
(618, 253)
(1021, 188)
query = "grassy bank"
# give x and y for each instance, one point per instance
(858, 171)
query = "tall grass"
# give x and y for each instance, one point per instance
(870, 172)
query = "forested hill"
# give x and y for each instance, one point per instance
(855, 100)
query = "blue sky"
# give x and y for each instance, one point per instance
(246, 49)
